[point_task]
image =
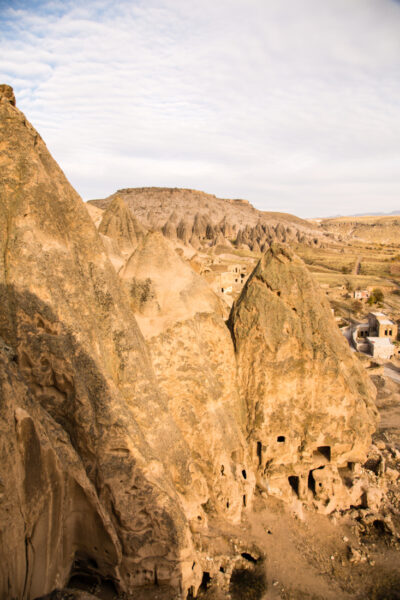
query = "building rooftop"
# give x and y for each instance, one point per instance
(380, 341)
(382, 318)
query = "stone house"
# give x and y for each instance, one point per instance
(376, 336)
(381, 347)
(361, 294)
(381, 326)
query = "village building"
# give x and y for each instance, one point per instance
(381, 326)
(381, 347)
(229, 278)
(361, 294)
(376, 336)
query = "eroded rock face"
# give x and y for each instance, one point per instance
(97, 425)
(309, 404)
(119, 224)
(130, 461)
(163, 288)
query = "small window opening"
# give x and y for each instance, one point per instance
(294, 483)
(278, 293)
(222, 570)
(249, 557)
(325, 451)
(390, 332)
(227, 504)
(244, 500)
(244, 474)
(380, 526)
(311, 482)
(193, 565)
(222, 469)
(222, 290)
(259, 452)
(280, 438)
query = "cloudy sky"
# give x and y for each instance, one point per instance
(292, 104)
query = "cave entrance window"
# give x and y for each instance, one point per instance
(244, 500)
(311, 482)
(294, 484)
(222, 290)
(280, 439)
(259, 452)
(205, 582)
(324, 451)
(244, 474)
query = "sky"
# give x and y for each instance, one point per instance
(291, 104)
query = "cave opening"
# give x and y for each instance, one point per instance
(205, 581)
(249, 557)
(311, 482)
(244, 474)
(280, 439)
(85, 576)
(259, 453)
(324, 451)
(244, 500)
(294, 484)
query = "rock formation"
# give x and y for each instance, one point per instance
(163, 288)
(189, 214)
(91, 458)
(310, 407)
(130, 462)
(119, 224)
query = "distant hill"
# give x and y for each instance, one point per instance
(382, 229)
(199, 218)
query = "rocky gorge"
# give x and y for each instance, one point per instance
(142, 431)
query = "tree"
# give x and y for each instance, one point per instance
(377, 292)
(376, 296)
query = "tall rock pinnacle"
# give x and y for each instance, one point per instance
(309, 402)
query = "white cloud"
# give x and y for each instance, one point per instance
(293, 105)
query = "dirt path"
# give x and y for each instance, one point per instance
(392, 372)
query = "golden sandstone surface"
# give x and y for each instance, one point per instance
(132, 460)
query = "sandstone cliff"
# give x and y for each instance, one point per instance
(85, 426)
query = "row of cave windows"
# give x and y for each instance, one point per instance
(323, 451)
